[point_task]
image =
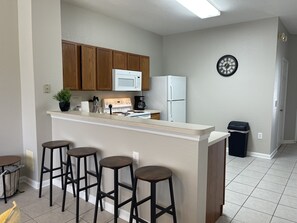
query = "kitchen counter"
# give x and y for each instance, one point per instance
(189, 150)
(216, 137)
(159, 126)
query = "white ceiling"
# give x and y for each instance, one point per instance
(165, 17)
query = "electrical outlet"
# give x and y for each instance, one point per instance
(260, 135)
(47, 88)
(135, 156)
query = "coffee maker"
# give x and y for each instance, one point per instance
(139, 103)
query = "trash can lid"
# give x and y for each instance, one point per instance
(238, 125)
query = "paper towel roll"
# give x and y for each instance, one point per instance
(85, 106)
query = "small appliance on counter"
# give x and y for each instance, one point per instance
(122, 107)
(139, 103)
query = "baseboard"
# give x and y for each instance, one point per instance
(289, 141)
(33, 183)
(259, 155)
(262, 155)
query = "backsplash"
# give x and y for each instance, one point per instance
(79, 96)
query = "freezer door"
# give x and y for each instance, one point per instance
(176, 87)
(177, 111)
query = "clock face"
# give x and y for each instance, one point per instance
(227, 65)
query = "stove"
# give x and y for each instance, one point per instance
(123, 107)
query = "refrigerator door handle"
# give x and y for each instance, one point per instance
(171, 92)
(170, 112)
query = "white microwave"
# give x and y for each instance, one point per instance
(126, 80)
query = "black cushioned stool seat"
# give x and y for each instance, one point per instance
(153, 175)
(51, 146)
(115, 163)
(78, 153)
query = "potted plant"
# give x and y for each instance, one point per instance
(63, 96)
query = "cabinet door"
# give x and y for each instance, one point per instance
(145, 69)
(133, 62)
(155, 116)
(119, 60)
(104, 69)
(88, 63)
(71, 65)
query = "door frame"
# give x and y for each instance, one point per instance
(282, 96)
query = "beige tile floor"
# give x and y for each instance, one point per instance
(37, 210)
(257, 190)
(260, 190)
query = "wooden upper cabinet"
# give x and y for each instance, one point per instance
(119, 60)
(133, 62)
(71, 65)
(145, 69)
(104, 69)
(88, 67)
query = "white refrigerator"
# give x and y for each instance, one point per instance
(168, 94)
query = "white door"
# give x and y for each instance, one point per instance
(176, 88)
(282, 102)
(177, 111)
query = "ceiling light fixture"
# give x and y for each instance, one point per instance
(201, 8)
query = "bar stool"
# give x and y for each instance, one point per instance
(115, 163)
(78, 153)
(52, 145)
(152, 174)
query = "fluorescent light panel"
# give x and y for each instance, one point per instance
(201, 8)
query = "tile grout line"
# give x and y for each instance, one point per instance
(283, 191)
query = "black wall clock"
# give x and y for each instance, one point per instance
(227, 65)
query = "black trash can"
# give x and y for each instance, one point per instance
(239, 132)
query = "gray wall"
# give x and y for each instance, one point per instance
(88, 27)
(245, 96)
(291, 103)
(10, 99)
(40, 63)
(85, 26)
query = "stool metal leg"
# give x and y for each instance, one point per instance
(61, 166)
(153, 202)
(172, 200)
(86, 179)
(116, 195)
(71, 173)
(41, 172)
(77, 189)
(98, 196)
(133, 203)
(68, 164)
(51, 177)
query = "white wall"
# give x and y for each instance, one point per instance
(85, 26)
(40, 62)
(10, 93)
(245, 96)
(291, 103)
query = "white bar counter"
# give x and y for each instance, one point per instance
(182, 147)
